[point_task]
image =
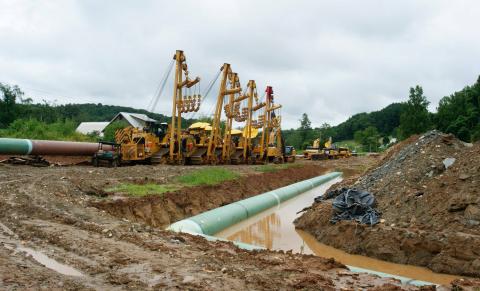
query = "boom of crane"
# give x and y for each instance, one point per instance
(216, 151)
(181, 104)
(238, 149)
(271, 146)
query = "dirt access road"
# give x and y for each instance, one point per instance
(89, 241)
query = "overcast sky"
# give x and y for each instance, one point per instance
(330, 59)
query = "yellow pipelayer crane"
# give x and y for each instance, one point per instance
(230, 150)
(181, 104)
(239, 151)
(215, 148)
(271, 147)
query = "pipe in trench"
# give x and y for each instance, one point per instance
(15, 146)
(213, 221)
(216, 220)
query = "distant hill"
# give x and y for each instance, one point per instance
(81, 112)
(385, 120)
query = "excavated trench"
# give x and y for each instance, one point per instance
(274, 229)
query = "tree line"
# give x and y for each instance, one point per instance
(20, 117)
(458, 113)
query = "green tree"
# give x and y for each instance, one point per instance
(305, 129)
(109, 131)
(8, 100)
(415, 117)
(369, 138)
(459, 113)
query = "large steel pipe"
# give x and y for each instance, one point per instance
(14, 146)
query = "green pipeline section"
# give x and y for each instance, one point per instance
(218, 219)
(14, 146)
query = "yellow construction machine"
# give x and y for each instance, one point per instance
(205, 143)
(314, 152)
(161, 143)
(271, 147)
(181, 104)
(142, 144)
(329, 151)
(238, 144)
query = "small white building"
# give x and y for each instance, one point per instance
(92, 127)
(137, 120)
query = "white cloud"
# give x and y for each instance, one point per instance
(330, 59)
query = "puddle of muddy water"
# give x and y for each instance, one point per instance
(14, 245)
(274, 229)
(51, 263)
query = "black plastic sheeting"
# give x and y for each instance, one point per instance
(352, 204)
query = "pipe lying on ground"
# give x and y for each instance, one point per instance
(15, 146)
(213, 221)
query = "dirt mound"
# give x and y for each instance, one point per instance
(428, 192)
(163, 210)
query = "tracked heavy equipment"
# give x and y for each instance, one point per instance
(195, 143)
(238, 146)
(142, 144)
(181, 104)
(216, 152)
(271, 147)
(159, 142)
(231, 153)
(314, 152)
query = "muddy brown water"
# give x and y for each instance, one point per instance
(274, 229)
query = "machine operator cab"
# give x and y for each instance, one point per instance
(159, 129)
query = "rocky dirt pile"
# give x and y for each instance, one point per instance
(428, 190)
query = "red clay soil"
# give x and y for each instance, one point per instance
(161, 211)
(431, 214)
(47, 210)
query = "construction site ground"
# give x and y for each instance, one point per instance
(427, 189)
(60, 229)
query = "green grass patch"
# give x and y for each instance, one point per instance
(142, 189)
(207, 176)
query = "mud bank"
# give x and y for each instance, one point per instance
(161, 211)
(442, 252)
(431, 211)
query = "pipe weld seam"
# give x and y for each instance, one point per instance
(30, 146)
(275, 196)
(243, 206)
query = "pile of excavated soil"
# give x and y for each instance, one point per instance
(47, 210)
(431, 212)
